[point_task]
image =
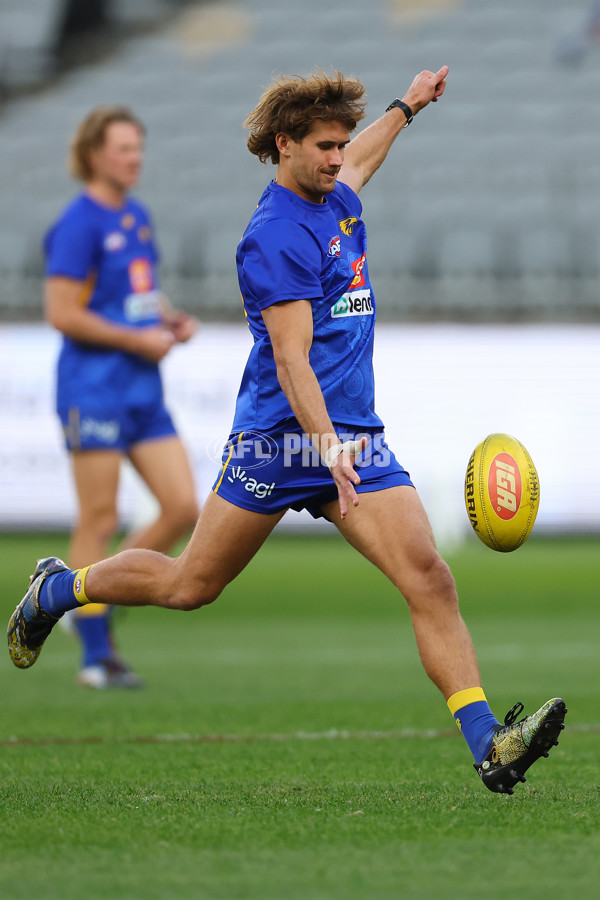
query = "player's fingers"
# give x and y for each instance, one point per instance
(353, 476)
(346, 479)
(349, 473)
(353, 479)
(352, 493)
(440, 82)
(344, 495)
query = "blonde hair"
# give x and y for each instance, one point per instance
(91, 134)
(292, 104)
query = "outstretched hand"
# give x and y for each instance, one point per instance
(344, 474)
(427, 87)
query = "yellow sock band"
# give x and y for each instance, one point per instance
(92, 610)
(463, 698)
(79, 585)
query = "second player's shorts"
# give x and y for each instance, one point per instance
(272, 472)
(93, 427)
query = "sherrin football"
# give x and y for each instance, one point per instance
(502, 492)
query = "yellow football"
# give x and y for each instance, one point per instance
(502, 492)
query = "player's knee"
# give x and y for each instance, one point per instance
(188, 515)
(434, 583)
(102, 524)
(444, 582)
(182, 517)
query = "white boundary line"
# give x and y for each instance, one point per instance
(331, 735)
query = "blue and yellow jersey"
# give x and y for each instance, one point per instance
(113, 253)
(297, 250)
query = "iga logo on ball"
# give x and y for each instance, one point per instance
(502, 492)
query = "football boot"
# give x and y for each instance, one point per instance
(517, 745)
(30, 625)
(110, 673)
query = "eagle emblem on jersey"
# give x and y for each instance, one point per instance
(348, 225)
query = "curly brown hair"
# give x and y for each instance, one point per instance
(292, 104)
(91, 134)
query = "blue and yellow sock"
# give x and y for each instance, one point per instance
(64, 591)
(92, 624)
(474, 719)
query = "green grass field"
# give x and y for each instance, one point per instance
(288, 745)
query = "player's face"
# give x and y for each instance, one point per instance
(119, 160)
(313, 164)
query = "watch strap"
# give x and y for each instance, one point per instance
(404, 107)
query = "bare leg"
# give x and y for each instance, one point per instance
(164, 466)
(96, 475)
(391, 529)
(223, 543)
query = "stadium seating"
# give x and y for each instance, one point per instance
(498, 184)
(29, 34)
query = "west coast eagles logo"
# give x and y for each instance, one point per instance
(348, 225)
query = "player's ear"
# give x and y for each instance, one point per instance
(283, 141)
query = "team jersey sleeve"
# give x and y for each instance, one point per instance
(348, 198)
(281, 261)
(71, 248)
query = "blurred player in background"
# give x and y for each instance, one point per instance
(102, 293)
(305, 433)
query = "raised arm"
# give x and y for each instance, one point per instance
(365, 153)
(290, 327)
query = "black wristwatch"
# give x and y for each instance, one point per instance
(405, 109)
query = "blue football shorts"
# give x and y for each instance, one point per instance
(91, 426)
(271, 472)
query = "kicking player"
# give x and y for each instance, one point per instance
(305, 432)
(102, 294)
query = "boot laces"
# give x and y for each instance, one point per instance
(512, 715)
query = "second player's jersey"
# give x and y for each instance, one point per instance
(112, 252)
(297, 250)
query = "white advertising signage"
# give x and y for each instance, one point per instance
(440, 390)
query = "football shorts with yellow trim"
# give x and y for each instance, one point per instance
(273, 471)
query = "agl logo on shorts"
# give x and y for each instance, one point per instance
(259, 488)
(505, 486)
